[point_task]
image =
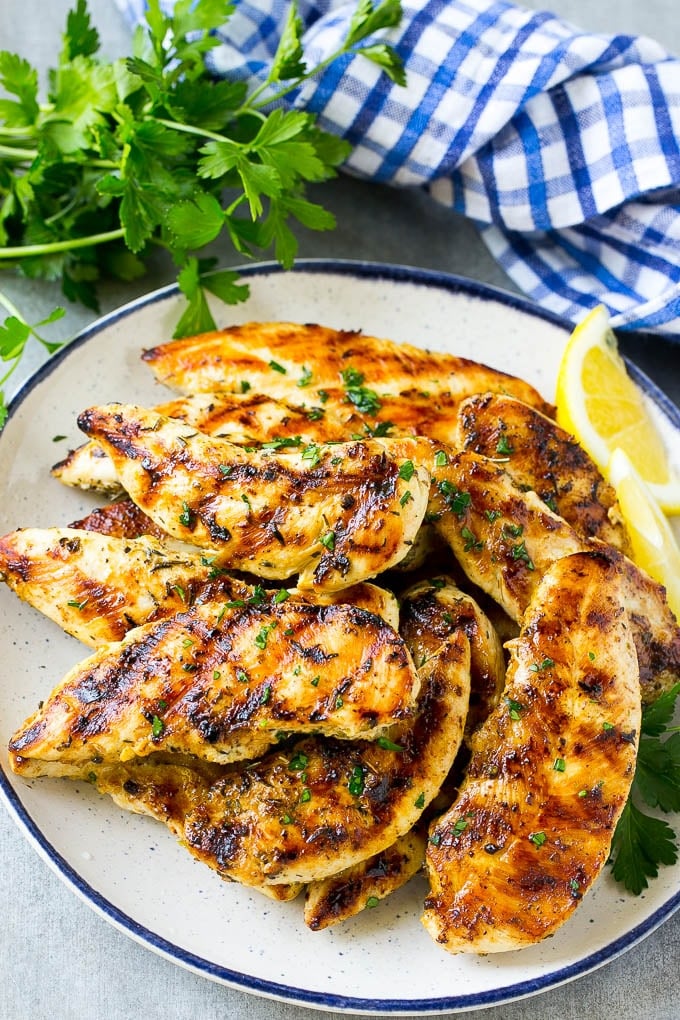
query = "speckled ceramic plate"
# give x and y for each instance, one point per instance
(129, 868)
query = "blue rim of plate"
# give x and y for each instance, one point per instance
(249, 983)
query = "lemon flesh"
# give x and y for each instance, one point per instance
(599, 403)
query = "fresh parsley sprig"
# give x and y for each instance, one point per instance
(15, 333)
(641, 841)
(128, 156)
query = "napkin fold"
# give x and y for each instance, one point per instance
(562, 146)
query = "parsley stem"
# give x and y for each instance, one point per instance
(16, 152)
(251, 106)
(23, 251)
(10, 307)
(190, 130)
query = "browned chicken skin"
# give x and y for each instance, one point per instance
(550, 772)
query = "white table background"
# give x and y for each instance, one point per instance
(58, 959)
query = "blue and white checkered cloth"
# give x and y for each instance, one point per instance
(563, 146)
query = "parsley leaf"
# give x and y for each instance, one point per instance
(642, 842)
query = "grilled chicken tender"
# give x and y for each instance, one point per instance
(346, 894)
(506, 540)
(314, 808)
(334, 515)
(432, 610)
(277, 357)
(550, 772)
(221, 683)
(243, 419)
(261, 421)
(539, 455)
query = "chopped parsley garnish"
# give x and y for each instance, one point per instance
(419, 802)
(306, 795)
(263, 636)
(277, 367)
(258, 597)
(282, 443)
(537, 838)
(440, 459)
(186, 517)
(312, 453)
(244, 386)
(379, 431)
(357, 781)
(457, 502)
(519, 552)
(503, 446)
(75, 604)
(225, 470)
(372, 902)
(388, 745)
(266, 694)
(515, 708)
(471, 540)
(559, 765)
(306, 377)
(406, 470)
(538, 667)
(157, 726)
(406, 498)
(512, 530)
(299, 762)
(364, 399)
(328, 540)
(281, 596)
(492, 515)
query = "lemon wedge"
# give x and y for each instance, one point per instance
(599, 403)
(654, 545)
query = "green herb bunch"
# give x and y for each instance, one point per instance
(149, 152)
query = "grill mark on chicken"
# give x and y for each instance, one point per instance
(220, 682)
(270, 512)
(524, 841)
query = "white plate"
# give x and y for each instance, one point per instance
(129, 868)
